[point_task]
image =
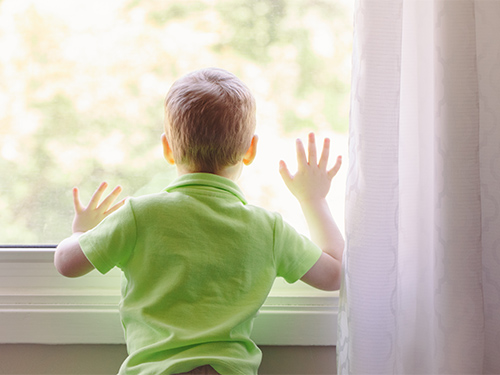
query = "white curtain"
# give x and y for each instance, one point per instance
(421, 291)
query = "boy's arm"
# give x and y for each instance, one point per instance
(310, 185)
(69, 258)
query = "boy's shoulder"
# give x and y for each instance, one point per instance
(148, 198)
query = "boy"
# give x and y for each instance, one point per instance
(198, 261)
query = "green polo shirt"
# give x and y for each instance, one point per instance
(198, 263)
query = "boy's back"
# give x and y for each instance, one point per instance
(198, 264)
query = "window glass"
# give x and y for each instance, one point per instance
(82, 84)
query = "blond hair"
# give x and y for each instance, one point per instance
(209, 120)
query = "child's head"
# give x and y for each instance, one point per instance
(209, 120)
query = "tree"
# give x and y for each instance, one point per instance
(83, 94)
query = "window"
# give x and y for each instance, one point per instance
(83, 84)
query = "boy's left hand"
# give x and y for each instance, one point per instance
(312, 180)
(88, 217)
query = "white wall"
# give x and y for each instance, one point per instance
(28, 359)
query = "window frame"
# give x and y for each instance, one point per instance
(39, 306)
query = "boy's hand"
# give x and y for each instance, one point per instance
(88, 217)
(312, 180)
(310, 185)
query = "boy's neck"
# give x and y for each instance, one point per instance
(232, 172)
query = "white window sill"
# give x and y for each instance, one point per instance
(37, 305)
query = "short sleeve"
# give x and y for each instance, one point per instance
(294, 253)
(111, 242)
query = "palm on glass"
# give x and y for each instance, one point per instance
(312, 180)
(88, 217)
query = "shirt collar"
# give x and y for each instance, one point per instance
(207, 179)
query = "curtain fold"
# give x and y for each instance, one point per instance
(421, 291)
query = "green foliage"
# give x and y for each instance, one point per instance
(160, 16)
(251, 27)
(83, 104)
(293, 123)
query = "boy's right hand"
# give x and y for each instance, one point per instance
(312, 180)
(88, 217)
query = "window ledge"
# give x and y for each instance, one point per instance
(37, 305)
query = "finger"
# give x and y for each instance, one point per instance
(325, 154)
(94, 201)
(301, 154)
(332, 172)
(311, 147)
(115, 207)
(76, 201)
(285, 173)
(108, 201)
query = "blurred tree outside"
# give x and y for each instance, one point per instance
(82, 85)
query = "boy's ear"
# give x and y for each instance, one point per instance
(252, 151)
(167, 150)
